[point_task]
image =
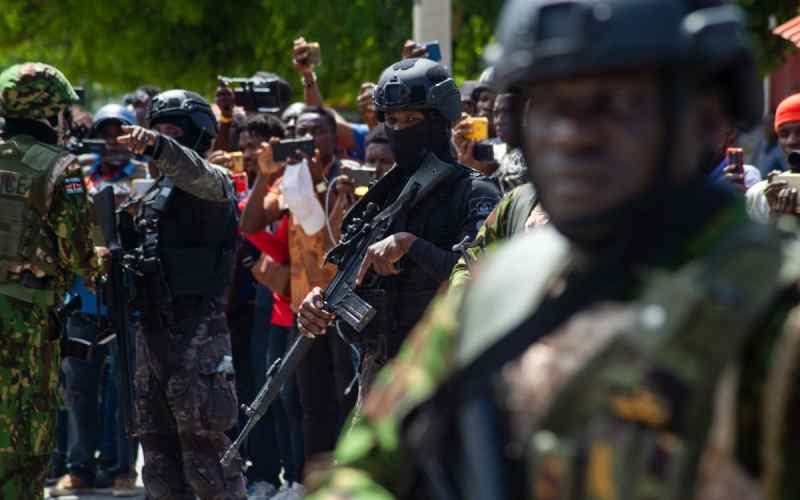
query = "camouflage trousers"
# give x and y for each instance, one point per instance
(184, 405)
(29, 361)
(22, 476)
(28, 398)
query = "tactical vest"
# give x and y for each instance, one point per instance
(439, 220)
(632, 418)
(196, 239)
(28, 172)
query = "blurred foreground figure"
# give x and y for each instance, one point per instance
(642, 345)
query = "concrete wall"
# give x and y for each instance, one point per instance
(433, 21)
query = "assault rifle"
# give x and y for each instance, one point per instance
(118, 293)
(340, 296)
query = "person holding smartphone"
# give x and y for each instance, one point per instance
(297, 186)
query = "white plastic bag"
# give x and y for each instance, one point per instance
(301, 199)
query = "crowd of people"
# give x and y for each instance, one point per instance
(579, 285)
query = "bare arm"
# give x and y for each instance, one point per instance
(313, 97)
(311, 93)
(262, 208)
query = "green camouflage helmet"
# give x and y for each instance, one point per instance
(34, 91)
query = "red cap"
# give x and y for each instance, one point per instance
(788, 111)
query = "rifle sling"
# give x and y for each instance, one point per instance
(421, 184)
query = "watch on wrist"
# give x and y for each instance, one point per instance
(321, 187)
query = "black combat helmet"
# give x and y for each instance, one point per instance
(541, 40)
(417, 84)
(189, 111)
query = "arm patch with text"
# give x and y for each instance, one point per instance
(479, 208)
(73, 186)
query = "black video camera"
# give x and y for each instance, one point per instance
(255, 94)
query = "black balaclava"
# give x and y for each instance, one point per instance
(411, 144)
(34, 128)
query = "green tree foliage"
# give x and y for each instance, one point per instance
(185, 43)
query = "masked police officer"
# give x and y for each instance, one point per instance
(184, 236)
(418, 101)
(44, 244)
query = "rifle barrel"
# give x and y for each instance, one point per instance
(268, 392)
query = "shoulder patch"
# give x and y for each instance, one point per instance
(73, 185)
(481, 206)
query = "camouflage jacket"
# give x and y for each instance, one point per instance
(29, 356)
(374, 464)
(67, 247)
(507, 219)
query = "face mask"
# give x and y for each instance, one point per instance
(410, 145)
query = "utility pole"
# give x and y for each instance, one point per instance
(433, 21)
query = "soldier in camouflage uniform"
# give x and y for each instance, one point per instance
(644, 345)
(44, 243)
(185, 232)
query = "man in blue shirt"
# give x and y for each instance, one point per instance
(86, 352)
